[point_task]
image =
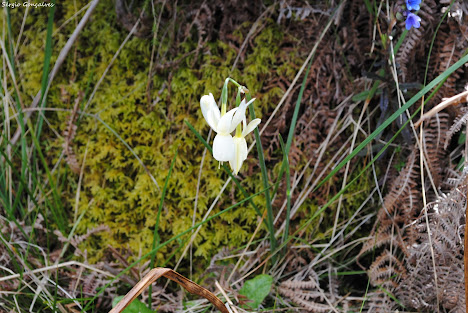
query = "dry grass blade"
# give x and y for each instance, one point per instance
(446, 103)
(154, 274)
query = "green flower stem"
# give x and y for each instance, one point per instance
(261, 160)
(238, 101)
(238, 97)
(234, 82)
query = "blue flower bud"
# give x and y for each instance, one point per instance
(412, 5)
(412, 20)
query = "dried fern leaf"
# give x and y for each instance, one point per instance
(69, 134)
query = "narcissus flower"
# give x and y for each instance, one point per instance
(412, 20)
(223, 124)
(240, 145)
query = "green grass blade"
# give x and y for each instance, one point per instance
(261, 160)
(156, 237)
(45, 70)
(288, 192)
(61, 220)
(22, 182)
(400, 40)
(19, 109)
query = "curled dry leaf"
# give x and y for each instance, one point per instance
(154, 274)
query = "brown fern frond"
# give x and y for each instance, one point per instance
(294, 284)
(382, 238)
(420, 289)
(458, 123)
(386, 269)
(403, 189)
(402, 205)
(305, 293)
(76, 240)
(414, 40)
(312, 306)
(380, 302)
(435, 135)
(448, 49)
(69, 134)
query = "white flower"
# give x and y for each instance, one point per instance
(240, 145)
(223, 125)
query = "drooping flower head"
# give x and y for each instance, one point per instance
(412, 20)
(223, 125)
(413, 4)
(225, 147)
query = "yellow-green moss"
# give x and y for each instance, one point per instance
(116, 190)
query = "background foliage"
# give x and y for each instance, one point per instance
(118, 96)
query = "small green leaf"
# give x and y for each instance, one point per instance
(136, 306)
(257, 289)
(361, 96)
(462, 138)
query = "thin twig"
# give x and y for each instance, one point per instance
(54, 267)
(444, 104)
(229, 302)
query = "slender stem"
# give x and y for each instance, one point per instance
(288, 192)
(261, 160)
(238, 101)
(234, 82)
(156, 237)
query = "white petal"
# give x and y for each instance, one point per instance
(223, 148)
(212, 120)
(224, 124)
(208, 104)
(242, 147)
(240, 114)
(251, 127)
(240, 154)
